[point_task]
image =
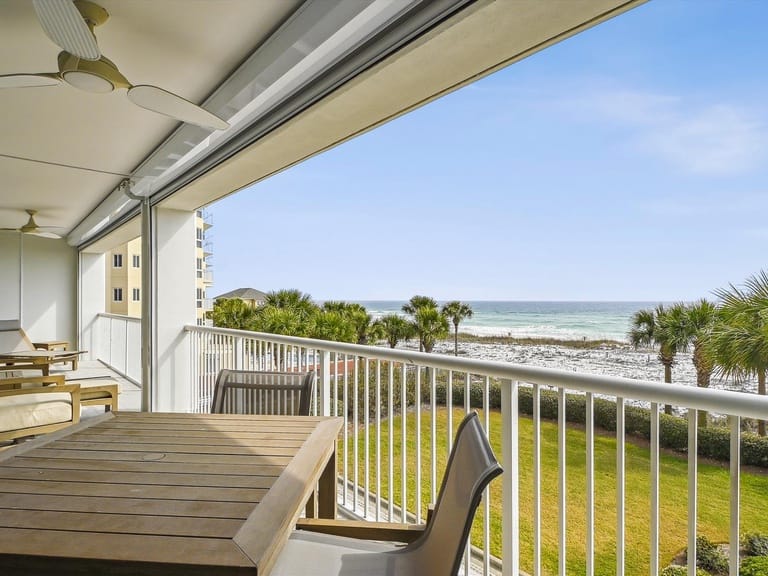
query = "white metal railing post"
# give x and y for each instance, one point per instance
(324, 399)
(735, 469)
(511, 479)
(237, 344)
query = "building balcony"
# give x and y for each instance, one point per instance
(554, 489)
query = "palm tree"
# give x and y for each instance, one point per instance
(293, 299)
(395, 328)
(690, 325)
(738, 341)
(357, 316)
(413, 307)
(456, 311)
(332, 325)
(233, 313)
(417, 302)
(430, 325)
(647, 332)
(276, 320)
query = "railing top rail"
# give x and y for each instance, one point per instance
(721, 401)
(118, 316)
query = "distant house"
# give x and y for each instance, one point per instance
(250, 296)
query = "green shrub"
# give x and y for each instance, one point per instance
(675, 570)
(754, 566)
(710, 557)
(755, 544)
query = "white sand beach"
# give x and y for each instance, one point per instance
(622, 361)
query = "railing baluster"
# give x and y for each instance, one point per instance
(735, 484)
(693, 446)
(418, 445)
(536, 480)
(391, 433)
(449, 405)
(655, 470)
(355, 430)
(620, 428)
(366, 435)
(561, 476)
(403, 441)
(433, 435)
(346, 428)
(590, 429)
(377, 459)
(467, 408)
(510, 416)
(486, 499)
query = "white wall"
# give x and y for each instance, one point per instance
(49, 286)
(92, 303)
(9, 277)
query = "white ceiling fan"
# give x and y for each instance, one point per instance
(31, 227)
(70, 24)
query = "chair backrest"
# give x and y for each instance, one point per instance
(248, 392)
(471, 467)
(13, 338)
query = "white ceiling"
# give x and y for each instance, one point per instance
(186, 47)
(189, 47)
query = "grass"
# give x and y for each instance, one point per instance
(713, 498)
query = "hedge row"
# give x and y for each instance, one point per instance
(714, 442)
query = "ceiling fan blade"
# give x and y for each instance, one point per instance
(63, 23)
(169, 104)
(45, 235)
(29, 80)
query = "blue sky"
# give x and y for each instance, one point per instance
(626, 163)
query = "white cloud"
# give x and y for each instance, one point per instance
(711, 138)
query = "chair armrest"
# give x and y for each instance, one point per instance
(38, 381)
(384, 531)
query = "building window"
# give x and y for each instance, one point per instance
(136, 261)
(136, 295)
(199, 263)
(117, 294)
(200, 293)
(117, 260)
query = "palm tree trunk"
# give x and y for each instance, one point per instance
(668, 380)
(703, 374)
(456, 341)
(761, 390)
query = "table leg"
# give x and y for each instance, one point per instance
(327, 488)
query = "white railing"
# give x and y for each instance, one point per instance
(119, 344)
(365, 385)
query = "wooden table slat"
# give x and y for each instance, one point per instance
(120, 523)
(29, 461)
(128, 478)
(69, 503)
(175, 448)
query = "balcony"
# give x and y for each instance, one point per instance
(528, 513)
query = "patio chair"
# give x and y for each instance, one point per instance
(251, 392)
(14, 339)
(437, 551)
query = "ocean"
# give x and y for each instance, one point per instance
(562, 320)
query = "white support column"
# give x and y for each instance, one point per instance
(92, 296)
(173, 267)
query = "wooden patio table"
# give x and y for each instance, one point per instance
(153, 493)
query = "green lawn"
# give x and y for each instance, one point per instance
(713, 494)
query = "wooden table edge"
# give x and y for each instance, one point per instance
(260, 538)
